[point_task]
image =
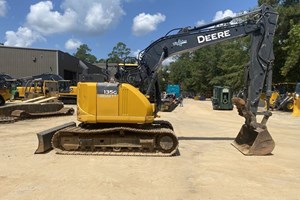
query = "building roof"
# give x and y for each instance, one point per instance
(26, 48)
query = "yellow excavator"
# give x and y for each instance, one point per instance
(118, 118)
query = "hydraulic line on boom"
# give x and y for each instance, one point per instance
(118, 118)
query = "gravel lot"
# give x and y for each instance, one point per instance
(208, 167)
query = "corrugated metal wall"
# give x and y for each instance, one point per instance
(20, 62)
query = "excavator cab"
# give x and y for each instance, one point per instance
(38, 87)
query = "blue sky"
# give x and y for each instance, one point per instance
(101, 24)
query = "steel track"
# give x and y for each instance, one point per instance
(109, 151)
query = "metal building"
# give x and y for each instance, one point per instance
(21, 62)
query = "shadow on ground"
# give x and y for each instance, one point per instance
(205, 138)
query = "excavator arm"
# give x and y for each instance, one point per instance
(260, 24)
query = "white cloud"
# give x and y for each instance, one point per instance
(145, 23)
(220, 14)
(169, 60)
(90, 17)
(165, 62)
(24, 37)
(42, 19)
(3, 8)
(135, 53)
(72, 44)
(200, 23)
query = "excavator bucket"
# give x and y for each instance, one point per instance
(256, 141)
(45, 137)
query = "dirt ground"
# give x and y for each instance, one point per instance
(208, 167)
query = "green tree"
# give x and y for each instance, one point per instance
(234, 56)
(291, 68)
(163, 77)
(119, 53)
(289, 15)
(269, 2)
(83, 53)
(221, 64)
(275, 3)
(180, 72)
(101, 60)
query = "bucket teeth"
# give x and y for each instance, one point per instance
(256, 141)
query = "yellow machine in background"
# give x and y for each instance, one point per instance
(48, 88)
(67, 93)
(281, 97)
(37, 88)
(296, 109)
(284, 100)
(7, 86)
(285, 96)
(4, 95)
(274, 96)
(36, 99)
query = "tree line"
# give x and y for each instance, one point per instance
(117, 55)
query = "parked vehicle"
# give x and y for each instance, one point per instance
(221, 99)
